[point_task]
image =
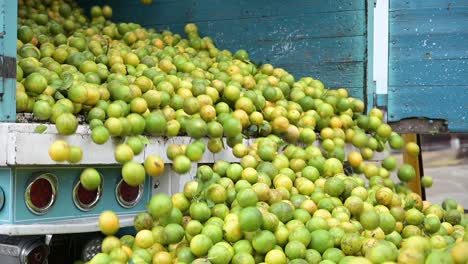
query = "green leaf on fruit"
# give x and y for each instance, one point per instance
(40, 129)
(210, 203)
(67, 81)
(144, 139)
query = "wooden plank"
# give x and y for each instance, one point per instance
(8, 24)
(333, 75)
(430, 21)
(222, 9)
(316, 50)
(274, 28)
(195, 10)
(433, 102)
(415, 4)
(415, 162)
(292, 8)
(429, 46)
(449, 72)
(429, 61)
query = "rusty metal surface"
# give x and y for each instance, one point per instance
(420, 126)
(8, 67)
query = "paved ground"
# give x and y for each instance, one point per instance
(449, 182)
(450, 174)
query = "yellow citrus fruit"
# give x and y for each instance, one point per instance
(128, 251)
(275, 256)
(412, 149)
(355, 159)
(460, 253)
(59, 151)
(108, 223)
(144, 239)
(162, 258)
(154, 165)
(123, 153)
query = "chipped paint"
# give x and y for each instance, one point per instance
(428, 61)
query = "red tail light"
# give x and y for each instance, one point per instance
(128, 196)
(84, 199)
(41, 193)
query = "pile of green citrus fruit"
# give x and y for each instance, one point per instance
(295, 196)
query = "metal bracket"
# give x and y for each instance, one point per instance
(48, 239)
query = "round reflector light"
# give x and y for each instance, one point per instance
(41, 193)
(128, 196)
(84, 199)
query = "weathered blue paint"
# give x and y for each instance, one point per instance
(429, 46)
(333, 74)
(322, 39)
(433, 102)
(8, 21)
(427, 72)
(443, 4)
(381, 100)
(429, 61)
(182, 11)
(64, 207)
(311, 50)
(7, 186)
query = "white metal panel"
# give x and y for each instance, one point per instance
(380, 40)
(11, 149)
(171, 182)
(25, 147)
(159, 147)
(81, 225)
(3, 144)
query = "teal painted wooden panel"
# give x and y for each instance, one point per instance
(64, 208)
(444, 102)
(336, 61)
(310, 50)
(428, 21)
(333, 74)
(426, 46)
(8, 21)
(444, 4)
(428, 72)
(197, 11)
(6, 183)
(340, 24)
(322, 39)
(428, 61)
(213, 10)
